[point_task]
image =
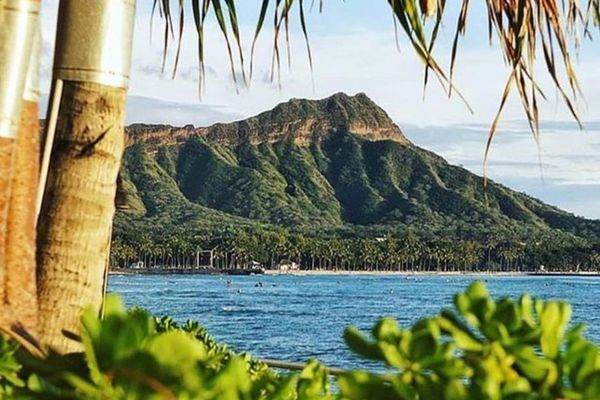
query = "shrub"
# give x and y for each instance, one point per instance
(484, 349)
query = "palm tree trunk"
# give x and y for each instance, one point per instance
(20, 285)
(7, 152)
(76, 216)
(20, 22)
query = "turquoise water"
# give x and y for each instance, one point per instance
(297, 317)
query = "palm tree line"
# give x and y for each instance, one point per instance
(234, 248)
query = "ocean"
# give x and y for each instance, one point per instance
(295, 318)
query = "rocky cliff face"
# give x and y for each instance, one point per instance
(304, 121)
(339, 163)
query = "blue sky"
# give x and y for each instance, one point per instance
(354, 51)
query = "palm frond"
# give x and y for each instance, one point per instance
(524, 29)
(230, 28)
(259, 25)
(180, 36)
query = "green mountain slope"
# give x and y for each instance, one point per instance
(338, 164)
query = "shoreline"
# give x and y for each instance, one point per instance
(430, 273)
(357, 273)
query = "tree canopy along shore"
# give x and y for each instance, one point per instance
(84, 140)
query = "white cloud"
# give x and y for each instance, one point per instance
(566, 173)
(154, 111)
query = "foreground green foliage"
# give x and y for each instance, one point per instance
(483, 349)
(130, 355)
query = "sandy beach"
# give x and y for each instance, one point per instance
(353, 273)
(425, 273)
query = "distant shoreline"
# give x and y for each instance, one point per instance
(428, 273)
(355, 273)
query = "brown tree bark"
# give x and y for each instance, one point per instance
(20, 287)
(78, 207)
(7, 151)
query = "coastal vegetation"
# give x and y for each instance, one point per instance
(238, 248)
(481, 349)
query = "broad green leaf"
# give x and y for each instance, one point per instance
(462, 336)
(535, 368)
(362, 385)
(313, 382)
(356, 341)
(553, 320)
(527, 310)
(387, 329)
(516, 386)
(455, 389)
(393, 354)
(175, 347)
(507, 313)
(592, 388)
(477, 291)
(422, 345)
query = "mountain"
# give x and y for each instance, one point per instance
(338, 165)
